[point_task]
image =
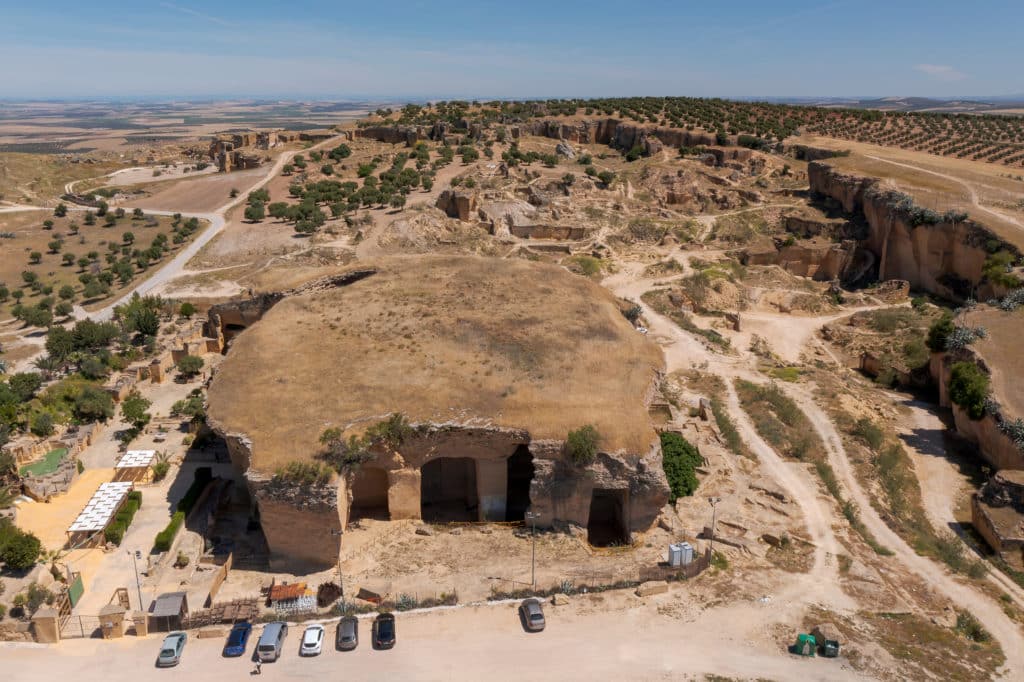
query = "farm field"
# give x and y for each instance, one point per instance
(38, 262)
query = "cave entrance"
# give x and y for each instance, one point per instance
(606, 526)
(231, 331)
(448, 490)
(370, 495)
(520, 475)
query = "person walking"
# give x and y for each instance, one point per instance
(259, 667)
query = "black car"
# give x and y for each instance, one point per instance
(347, 637)
(384, 631)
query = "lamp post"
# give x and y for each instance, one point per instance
(138, 586)
(713, 501)
(533, 552)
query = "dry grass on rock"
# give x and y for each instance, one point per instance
(441, 339)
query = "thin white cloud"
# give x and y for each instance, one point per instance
(204, 17)
(941, 72)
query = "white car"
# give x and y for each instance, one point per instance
(312, 641)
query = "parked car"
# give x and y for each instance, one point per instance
(312, 641)
(533, 614)
(238, 639)
(170, 650)
(347, 638)
(384, 631)
(268, 649)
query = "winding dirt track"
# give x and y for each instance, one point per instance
(984, 608)
(971, 192)
(683, 351)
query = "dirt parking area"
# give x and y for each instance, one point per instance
(666, 637)
(200, 195)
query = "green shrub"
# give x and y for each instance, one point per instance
(18, 549)
(968, 388)
(114, 533)
(868, 431)
(939, 332)
(679, 459)
(581, 444)
(165, 538)
(160, 470)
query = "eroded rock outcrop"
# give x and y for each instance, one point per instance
(458, 204)
(941, 254)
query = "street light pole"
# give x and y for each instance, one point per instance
(138, 585)
(533, 552)
(714, 510)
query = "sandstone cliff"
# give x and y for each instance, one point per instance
(942, 254)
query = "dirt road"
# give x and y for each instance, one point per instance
(991, 615)
(972, 193)
(683, 351)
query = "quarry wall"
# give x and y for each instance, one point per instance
(945, 258)
(995, 447)
(302, 523)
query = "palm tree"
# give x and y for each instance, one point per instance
(48, 365)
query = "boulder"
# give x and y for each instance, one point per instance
(560, 600)
(458, 204)
(424, 530)
(565, 149)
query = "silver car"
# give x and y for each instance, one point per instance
(170, 650)
(532, 615)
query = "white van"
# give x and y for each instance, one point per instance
(272, 641)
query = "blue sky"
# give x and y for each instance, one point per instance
(512, 49)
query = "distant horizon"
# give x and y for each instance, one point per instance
(395, 99)
(222, 49)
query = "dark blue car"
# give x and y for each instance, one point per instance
(238, 639)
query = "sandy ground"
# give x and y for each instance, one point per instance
(204, 194)
(666, 637)
(50, 521)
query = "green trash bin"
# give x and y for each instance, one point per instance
(805, 645)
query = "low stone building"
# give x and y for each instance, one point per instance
(491, 364)
(997, 512)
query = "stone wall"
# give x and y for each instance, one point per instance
(997, 512)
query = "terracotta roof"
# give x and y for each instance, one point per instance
(285, 592)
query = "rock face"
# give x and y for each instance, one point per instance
(945, 258)
(565, 149)
(473, 445)
(408, 135)
(615, 133)
(303, 523)
(995, 446)
(458, 204)
(817, 259)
